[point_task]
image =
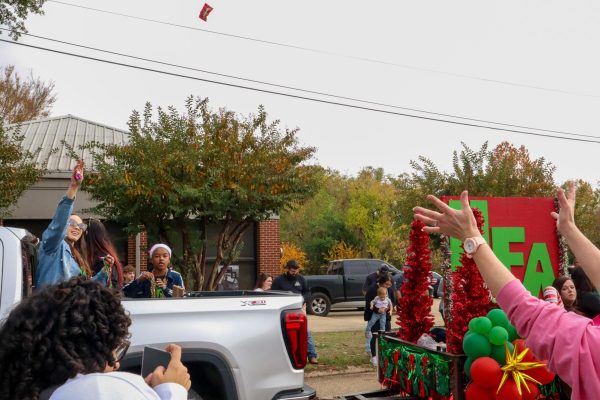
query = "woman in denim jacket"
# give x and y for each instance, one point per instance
(58, 258)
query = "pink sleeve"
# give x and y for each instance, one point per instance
(568, 341)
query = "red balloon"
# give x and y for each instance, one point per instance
(486, 372)
(476, 392)
(509, 391)
(520, 345)
(541, 374)
(533, 393)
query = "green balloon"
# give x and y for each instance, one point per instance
(499, 354)
(481, 325)
(512, 333)
(468, 363)
(498, 318)
(476, 345)
(498, 335)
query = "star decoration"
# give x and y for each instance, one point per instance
(515, 366)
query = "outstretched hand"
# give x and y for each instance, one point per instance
(565, 218)
(460, 224)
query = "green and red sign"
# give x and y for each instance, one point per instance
(521, 233)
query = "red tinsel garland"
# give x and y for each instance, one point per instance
(415, 316)
(470, 297)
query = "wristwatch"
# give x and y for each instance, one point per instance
(471, 245)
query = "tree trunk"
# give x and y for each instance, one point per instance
(236, 237)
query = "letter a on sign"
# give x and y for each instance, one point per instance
(204, 12)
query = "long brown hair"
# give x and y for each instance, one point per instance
(76, 253)
(98, 244)
(262, 278)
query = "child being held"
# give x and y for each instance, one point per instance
(380, 305)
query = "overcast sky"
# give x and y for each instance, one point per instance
(531, 63)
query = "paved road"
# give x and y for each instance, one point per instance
(352, 320)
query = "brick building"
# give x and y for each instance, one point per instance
(36, 206)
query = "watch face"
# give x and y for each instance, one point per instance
(469, 245)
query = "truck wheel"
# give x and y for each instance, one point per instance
(319, 304)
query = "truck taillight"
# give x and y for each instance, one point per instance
(296, 337)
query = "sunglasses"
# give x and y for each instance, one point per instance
(293, 268)
(77, 225)
(121, 350)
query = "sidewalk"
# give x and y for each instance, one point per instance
(332, 384)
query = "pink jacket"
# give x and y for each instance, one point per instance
(570, 342)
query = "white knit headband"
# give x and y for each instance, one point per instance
(159, 246)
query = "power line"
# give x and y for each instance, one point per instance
(354, 106)
(329, 53)
(306, 90)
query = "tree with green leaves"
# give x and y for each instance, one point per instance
(587, 210)
(371, 215)
(181, 173)
(319, 224)
(503, 171)
(18, 168)
(14, 12)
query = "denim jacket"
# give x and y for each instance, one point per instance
(55, 261)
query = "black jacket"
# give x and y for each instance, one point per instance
(370, 295)
(588, 303)
(294, 284)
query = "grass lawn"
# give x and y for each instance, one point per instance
(339, 350)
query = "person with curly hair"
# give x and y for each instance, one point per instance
(58, 257)
(73, 334)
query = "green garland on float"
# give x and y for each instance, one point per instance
(414, 370)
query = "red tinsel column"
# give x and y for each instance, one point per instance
(415, 305)
(470, 298)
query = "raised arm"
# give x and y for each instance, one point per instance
(76, 179)
(57, 230)
(584, 250)
(461, 224)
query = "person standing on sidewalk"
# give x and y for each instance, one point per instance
(292, 281)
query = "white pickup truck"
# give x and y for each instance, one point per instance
(237, 345)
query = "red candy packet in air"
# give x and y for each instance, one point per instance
(206, 9)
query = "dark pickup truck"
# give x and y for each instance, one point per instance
(342, 283)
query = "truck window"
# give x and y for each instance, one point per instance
(29, 259)
(355, 267)
(335, 268)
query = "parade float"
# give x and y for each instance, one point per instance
(482, 357)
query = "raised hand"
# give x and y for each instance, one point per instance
(77, 176)
(565, 218)
(460, 224)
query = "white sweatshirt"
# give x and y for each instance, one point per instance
(116, 385)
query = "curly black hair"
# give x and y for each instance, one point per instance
(60, 331)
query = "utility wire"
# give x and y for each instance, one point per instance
(306, 90)
(354, 106)
(329, 53)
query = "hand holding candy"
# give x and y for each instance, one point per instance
(77, 176)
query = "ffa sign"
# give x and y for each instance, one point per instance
(521, 233)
